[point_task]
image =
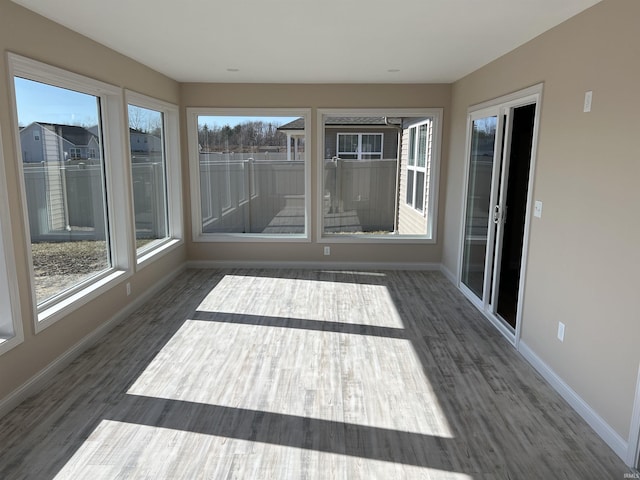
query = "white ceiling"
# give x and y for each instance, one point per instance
(311, 41)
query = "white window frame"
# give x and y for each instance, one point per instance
(75, 153)
(173, 177)
(194, 174)
(119, 211)
(11, 333)
(359, 151)
(415, 168)
(430, 236)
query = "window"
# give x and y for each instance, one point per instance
(10, 320)
(418, 164)
(360, 146)
(249, 173)
(74, 210)
(155, 173)
(380, 181)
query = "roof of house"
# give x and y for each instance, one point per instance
(298, 123)
(72, 133)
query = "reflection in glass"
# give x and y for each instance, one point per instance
(483, 138)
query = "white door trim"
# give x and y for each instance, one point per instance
(498, 106)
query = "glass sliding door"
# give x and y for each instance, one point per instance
(478, 208)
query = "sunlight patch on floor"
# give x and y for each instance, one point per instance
(168, 453)
(335, 301)
(364, 380)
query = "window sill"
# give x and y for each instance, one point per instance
(7, 343)
(251, 238)
(157, 251)
(55, 312)
(389, 238)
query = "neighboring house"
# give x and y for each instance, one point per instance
(144, 144)
(50, 142)
(349, 138)
(377, 138)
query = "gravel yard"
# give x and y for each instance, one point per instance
(58, 266)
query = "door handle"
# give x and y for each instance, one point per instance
(496, 214)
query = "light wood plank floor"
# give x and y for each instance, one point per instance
(277, 374)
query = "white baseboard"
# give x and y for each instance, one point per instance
(633, 450)
(449, 274)
(39, 380)
(595, 421)
(366, 266)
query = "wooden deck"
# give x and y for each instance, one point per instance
(260, 374)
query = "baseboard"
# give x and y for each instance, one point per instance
(595, 421)
(449, 274)
(366, 266)
(39, 380)
(634, 441)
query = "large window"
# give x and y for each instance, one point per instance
(380, 181)
(75, 203)
(155, 173)
(419, 164)
(10, 321)
(249, 173)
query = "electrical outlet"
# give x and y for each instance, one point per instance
(128, 286)
(327, 250)
(561, 331)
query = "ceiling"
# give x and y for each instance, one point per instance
(311, 41)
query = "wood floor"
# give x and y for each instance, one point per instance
(288, 374)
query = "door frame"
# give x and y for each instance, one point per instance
(498, 106)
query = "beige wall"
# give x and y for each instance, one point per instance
(584, 251)
(315, 96)
(30, 35)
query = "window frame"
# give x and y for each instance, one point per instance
(194, 174)
(359, 151)
(118, 205)
(413, 148)
(10, 314)
(173, 177)
(431, 212)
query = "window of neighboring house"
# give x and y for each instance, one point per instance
(155, 174)
(418, 164)
(245, 182)
(36, 135)
(92, 153)
(364, 192)
(78, 240)
(75, 153)
(10, 319)
(360, 146)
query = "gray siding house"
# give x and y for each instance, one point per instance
(48, 142)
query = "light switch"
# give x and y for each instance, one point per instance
(537, 209)
(588, 96)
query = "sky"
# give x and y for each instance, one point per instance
(38, 102)
(221, 121)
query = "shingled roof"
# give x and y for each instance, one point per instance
(298, 123)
